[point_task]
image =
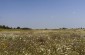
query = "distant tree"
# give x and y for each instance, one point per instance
(0, 26)
(18, 27)
(4, 27)
(7, 27)
(26, 28)
(45, 29)
(63, 28)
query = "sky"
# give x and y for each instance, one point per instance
(42, 13)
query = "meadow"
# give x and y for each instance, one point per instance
(42, 42)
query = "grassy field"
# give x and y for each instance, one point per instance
(42, 42)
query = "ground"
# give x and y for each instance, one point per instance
(42, 42)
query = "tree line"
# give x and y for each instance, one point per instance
(26, 28)
(7, 27)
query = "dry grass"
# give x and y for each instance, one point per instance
(42, 42)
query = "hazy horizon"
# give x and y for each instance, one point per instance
(42, 13)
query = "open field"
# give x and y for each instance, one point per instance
(42, 42)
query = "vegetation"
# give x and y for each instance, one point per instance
(7, 27)
(42, 42)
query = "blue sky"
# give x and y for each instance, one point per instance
(42, 13)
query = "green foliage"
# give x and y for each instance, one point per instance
(26, 28)
(5, 27)
(18, 28)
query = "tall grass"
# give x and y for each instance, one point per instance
(42, 42)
